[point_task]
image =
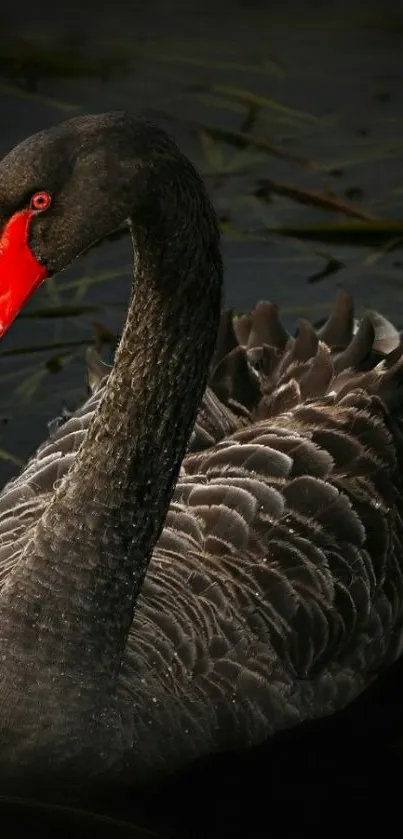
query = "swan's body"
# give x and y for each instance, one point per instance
(266, 580)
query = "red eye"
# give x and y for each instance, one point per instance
(40, 201)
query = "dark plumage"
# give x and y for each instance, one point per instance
(258, 542)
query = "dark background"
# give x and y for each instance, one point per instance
(289, 110)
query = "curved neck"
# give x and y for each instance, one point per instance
(90, 550)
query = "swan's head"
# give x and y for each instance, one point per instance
(66, 188)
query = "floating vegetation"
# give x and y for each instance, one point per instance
(11, 458)
(239, 139)
(65, 311)
(159, 53)
(333, 266)
(358, 233)
(255, 102)
(37, 348)
(311, 198)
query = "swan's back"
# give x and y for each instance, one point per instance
(275, 593)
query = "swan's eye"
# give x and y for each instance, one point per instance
(40, 201)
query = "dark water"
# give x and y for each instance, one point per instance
(330, 88)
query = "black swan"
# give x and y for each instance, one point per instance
(185, 570)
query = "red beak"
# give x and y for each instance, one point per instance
(20, 271)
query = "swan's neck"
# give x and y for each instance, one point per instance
(71, 598)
